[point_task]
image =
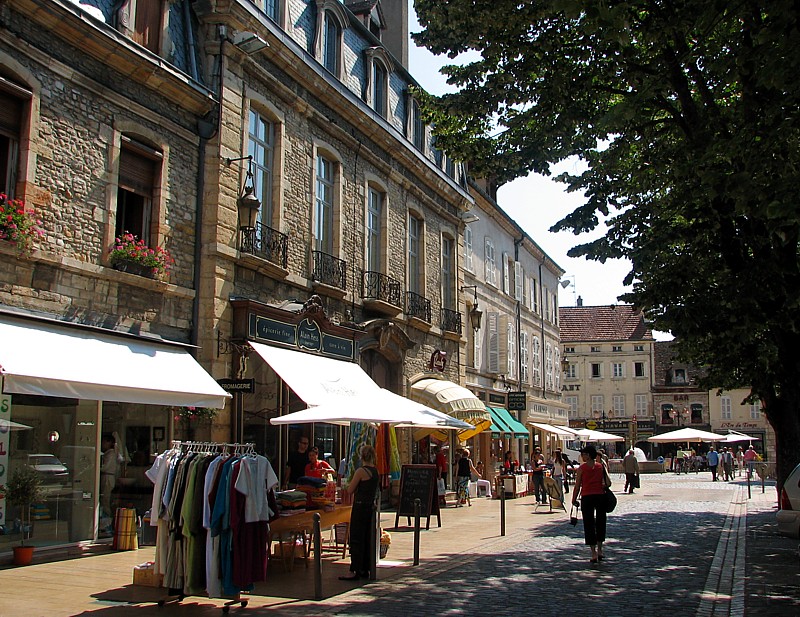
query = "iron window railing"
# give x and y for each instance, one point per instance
(418, 306)
(451, 321)
(265, 242)
(329, 270)
(379, 286)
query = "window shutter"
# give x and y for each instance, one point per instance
(494, 343)
(519, 278)
(136, 173)
(506, 275)
(10, 114)
(502, 344)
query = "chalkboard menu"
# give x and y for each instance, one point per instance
(418, 482)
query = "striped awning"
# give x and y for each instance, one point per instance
(455, 401)
(507, 423)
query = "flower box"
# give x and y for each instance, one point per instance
(134, 267)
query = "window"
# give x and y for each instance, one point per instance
(618, 370)
(379, 89)
(666, 414)
(638, 348)
(755, 411)
(597, 403)
(726, 409)
(536, 352)
(414, 254)
(523, 356)
(572, 371)
(489, 265)
(534, 296)
(594, 349)
(696, 413)
(448, 274)
(519, 277)
(468, 249)
(569, 350)
(640, 400)
(596, 374)
(618, 406)
(616, 348)
(572, 403)
(374, 225)
(678, 376)
(139, 175)
(273, 10)
(13, 104)
(332, 33)
(506, 275)
(323, 209)
(638, 369)
(261, 148)
(417, 127)
(147, 25)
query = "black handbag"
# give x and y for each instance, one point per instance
(610, 500)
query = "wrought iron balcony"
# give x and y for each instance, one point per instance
(378, 286)
(264, 242)
(418, 306)
(329, 270)
(451, 321)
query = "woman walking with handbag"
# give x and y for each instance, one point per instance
(590, 486)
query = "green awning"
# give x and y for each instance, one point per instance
(497, 427)
(501, 417)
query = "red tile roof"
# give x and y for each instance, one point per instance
(616, 322)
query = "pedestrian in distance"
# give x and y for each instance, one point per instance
(364, 489)
(559, 473)
(631, 465)
(727, 464)
(590, 485)
(748, 460)
(740, 461)
(463, 475)
(713, 462)
(539, 490)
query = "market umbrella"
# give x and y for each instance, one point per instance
(686, 434)
(585, 434)
(733, 437)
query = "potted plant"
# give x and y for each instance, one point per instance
(18, 224)
(130, 254)
(24, 488)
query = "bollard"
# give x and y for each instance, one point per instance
(416, 531)
(502, 507)
(317, 558)
(749, 494)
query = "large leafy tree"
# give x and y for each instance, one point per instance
(686, 114)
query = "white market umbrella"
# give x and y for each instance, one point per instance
(686, 434)
(733, 437)
(585, 434)
(378, 407)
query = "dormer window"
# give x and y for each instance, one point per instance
(378, 66)
(677, 376)
(331, 21)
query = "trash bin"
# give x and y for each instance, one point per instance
(125, 533)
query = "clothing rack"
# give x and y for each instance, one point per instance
(210, 447)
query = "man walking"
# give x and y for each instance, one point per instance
(713, 461)
(631, 465)
(727, 464)
(538, 476)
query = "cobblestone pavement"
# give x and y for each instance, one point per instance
(681, 545)
(677, 547)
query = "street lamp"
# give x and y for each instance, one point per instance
(678, 414)
(601, 414)
(475, 313)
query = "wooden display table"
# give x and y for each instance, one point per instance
(288, 529)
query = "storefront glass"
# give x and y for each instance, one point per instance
(57, 438)
(131, 437)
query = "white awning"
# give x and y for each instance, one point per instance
(562, 431)
(452, 399)
(316, 379)
(49, 359)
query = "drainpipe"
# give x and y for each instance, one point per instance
(517, 244)
(541, 312)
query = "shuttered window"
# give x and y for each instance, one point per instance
(139, 173)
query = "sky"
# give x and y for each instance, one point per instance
(536, 203)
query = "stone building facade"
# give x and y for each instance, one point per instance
(513, 361)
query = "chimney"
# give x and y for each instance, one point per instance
(580, 301)
(395, 37)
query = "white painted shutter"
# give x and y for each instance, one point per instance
(519, 277)
(494, 344)
(506, 275)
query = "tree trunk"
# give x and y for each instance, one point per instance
(782, 414)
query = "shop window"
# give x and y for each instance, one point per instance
(666, 414)
(139, 176)
(697, 413)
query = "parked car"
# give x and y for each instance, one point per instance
(789, 513)
(51, 470)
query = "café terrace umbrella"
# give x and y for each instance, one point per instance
(733, 437)
(686, 434)
(585, 434)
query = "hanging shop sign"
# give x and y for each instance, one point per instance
(237, 385)
(304, 335)
(517, 401)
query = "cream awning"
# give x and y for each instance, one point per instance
(561, 431)
(450, 398)
(48, 358)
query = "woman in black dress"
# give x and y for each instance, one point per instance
(363, 487)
